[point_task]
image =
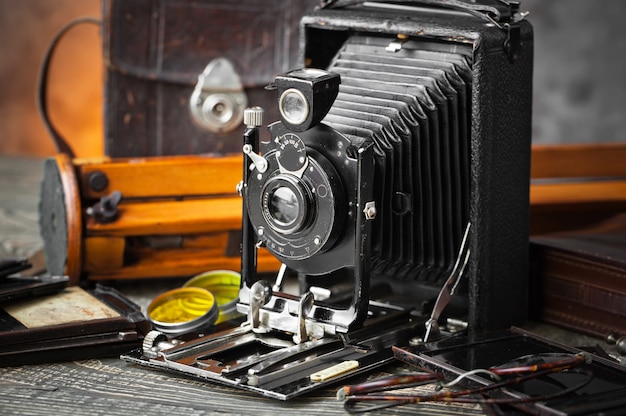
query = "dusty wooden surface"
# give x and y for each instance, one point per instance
(109, 386)
(112, 387)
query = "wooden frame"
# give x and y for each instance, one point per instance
(573, 186)
(178, 216)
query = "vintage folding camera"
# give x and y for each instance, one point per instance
(394, 184)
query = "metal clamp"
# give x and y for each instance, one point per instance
(260, 294)
(218, 100)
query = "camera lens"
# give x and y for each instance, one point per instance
(294, 106)
(284, 206)
(299, 210)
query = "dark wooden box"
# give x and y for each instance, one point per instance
(154, 51)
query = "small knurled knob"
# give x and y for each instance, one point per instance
(151, 341)
(253, 116)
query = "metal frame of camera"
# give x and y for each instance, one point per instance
(289, 343)
(313, 92)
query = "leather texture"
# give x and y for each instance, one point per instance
(155, 50)
(579, 278)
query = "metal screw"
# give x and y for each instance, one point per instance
(239, 188)
(370, 210)
(414, 342)
(98, 181)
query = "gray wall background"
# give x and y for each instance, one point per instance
(580, 70)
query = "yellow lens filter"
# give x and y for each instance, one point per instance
(204, 300)
(224, 285)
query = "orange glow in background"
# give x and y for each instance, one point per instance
(75, 80)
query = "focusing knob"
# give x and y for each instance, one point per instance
(253, 117)
(151, 341)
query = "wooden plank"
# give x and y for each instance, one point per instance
(555, 194)
(195, 254)
(159, 177)
(583, 184)
(103, 253)
(194, 216)
(579, 161)
(112, 387)
(182, 263)
(565, 206)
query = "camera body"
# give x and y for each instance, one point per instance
(429, 132)
(394, 184)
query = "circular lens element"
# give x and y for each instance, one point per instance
(283, 206)
(302, 224)
(183, 310)
(293, 106)
(286, 204)
(309, 73)
(224, 285)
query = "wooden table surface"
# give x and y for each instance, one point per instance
(111, 386)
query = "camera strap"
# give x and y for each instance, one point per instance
(42, 85)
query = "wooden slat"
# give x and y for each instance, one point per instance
(565, 207)
(193, 216)
(585, 183)
(555, 194)
(162, 176)
(103, 253)
(174, 263)
(579, 161)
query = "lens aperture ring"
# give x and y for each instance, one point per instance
(294, 217)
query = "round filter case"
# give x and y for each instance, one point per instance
(224, 285)
(183, 310)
